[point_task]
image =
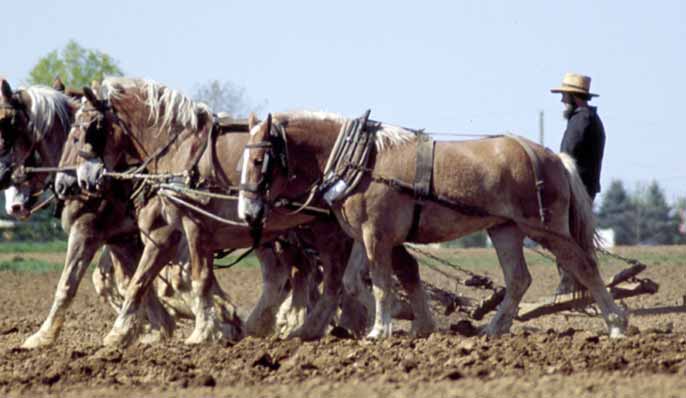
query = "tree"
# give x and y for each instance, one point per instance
(657, 225)
(75, 65)
(618, 212)
(225, 97)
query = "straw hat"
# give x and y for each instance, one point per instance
(575, 83)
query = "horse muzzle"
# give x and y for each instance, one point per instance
(250, 210)
(89, 175)
(17, 203)
(66, 185)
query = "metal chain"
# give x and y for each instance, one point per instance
(477, 279)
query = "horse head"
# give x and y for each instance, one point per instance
(33, 123)
(260, 170)
(86, 146)
(14, 135)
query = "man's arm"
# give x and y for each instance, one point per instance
(572, 142)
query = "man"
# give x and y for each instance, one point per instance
(584, 140)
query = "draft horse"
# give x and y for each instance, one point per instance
(481, 184)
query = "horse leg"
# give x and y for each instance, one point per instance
(508, 242)
(334, 250)
(293, 311)
(584, 267)
(173, 285)
(80, 251)
(357, 304)
(585, 270)
(158, 250)
(104, 280)
(161, 324)
(380, 268)
(212, 323)
(275, 275)
(406, 268)
(304, 290)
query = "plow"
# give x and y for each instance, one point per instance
(622, 285)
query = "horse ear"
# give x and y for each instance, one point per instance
(6, 90)
(58, 85)
(268, 123)
(252, 120)
(90, 96)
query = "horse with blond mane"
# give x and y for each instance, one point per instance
(475, 185)
(133, 121)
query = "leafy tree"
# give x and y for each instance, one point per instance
(75, 65)
(618, 212)
(225, 97)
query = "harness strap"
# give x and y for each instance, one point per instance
(207, 145)
(536, 168)
(424, 166)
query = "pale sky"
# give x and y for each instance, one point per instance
(450, 66)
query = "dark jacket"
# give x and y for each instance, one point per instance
(584, 140)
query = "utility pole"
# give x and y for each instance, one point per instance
(540, 128)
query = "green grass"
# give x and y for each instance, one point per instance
(248, 262)
(33, 247)
(20, 264)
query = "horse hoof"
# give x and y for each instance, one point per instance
(37, 340)
(115, 339)
(379, 333)
(152, 338)
(616, 333)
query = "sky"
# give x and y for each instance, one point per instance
(446, 66)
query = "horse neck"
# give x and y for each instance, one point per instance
(150, 137)
(52, 144)
(311, 146)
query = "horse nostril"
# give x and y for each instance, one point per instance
(16, 208)
(60, 188)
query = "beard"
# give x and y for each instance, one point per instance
(568, 111)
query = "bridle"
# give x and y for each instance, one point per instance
(276, 150)
(14, 167)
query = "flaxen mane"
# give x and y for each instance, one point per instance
(167, 107)
(46, 103)
(388, 136)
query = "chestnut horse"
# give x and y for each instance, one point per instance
(482, 184)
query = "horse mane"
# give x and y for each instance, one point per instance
(387, 136)
(46, 104)
(168, 107)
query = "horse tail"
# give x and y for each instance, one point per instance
(581, 218)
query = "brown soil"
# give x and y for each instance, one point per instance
(557, 356)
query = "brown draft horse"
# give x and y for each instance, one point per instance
(493, 175)
(135, 121)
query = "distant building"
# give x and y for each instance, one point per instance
(607, 238)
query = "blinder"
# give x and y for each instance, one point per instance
(95, 137)
(8, 166)
(276, 149)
